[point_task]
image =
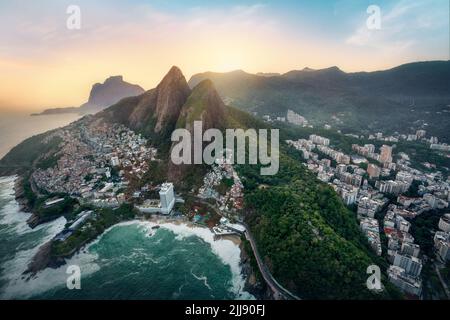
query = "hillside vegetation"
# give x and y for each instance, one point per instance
(22, 157)
(398, 99)
(308, 238)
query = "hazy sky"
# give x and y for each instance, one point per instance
(44, 64)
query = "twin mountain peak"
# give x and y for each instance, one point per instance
(172, 104)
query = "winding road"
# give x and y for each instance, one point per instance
(279, 292)
(444, 285)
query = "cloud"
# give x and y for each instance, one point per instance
(404, 26)
(31, 30)
(136, 40)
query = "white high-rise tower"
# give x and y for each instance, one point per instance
(167, 197)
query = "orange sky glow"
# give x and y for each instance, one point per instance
(44, 65)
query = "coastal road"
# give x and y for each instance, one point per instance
(444, 285)
(278, 290)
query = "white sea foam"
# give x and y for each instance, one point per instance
(225, 249)
(16, 220)
(202, 278)
(7, 179)
(10, 215)
(18, 287)
(12, 271)
(7, 186)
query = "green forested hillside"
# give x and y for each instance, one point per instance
(22, 157)
(309, 239)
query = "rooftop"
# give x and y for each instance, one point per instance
(166, 186)
(446, 217)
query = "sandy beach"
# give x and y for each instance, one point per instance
(158, 219)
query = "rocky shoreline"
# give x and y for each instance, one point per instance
(24, 204)
(20, 195)
(42, 259)
(252, 285)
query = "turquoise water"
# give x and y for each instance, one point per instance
(16, 127)
(129, 261)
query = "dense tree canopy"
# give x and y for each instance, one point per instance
(308, 238)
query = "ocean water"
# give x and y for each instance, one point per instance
(129, 261)
(16, 127)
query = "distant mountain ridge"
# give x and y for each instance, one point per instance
(52, 111)
(384, 100)
(405, 76)
(102, 95)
